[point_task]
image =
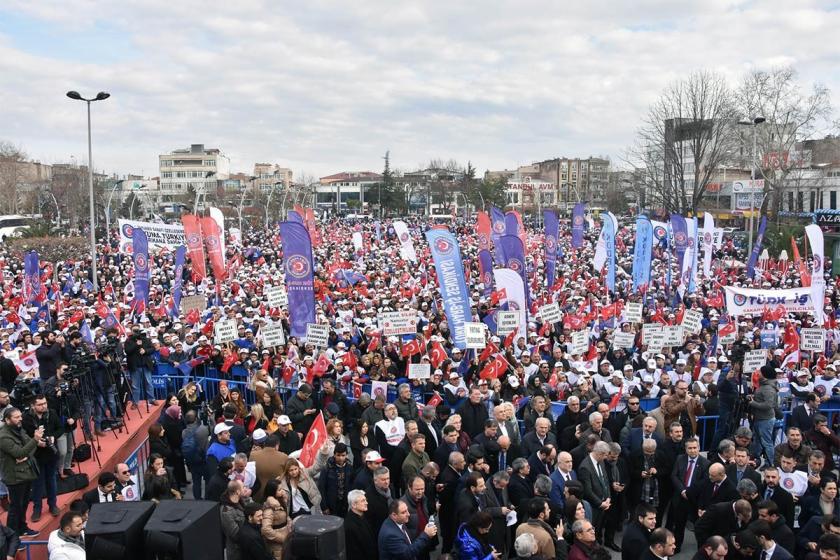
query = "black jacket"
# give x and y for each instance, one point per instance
(52, 428)
(359, 538)
(295, 409)
(48, 359)
(784, 500)
(634, 541)
(134, 358)
(520, 490)
(377, 511)
(473, 417)
(702, 494)
(251, 543)
(328, 487)
(719, 519)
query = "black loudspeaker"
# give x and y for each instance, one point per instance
(315, 537)
(185, 529)
(114, 530)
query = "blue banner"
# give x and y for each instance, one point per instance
(577, 225)
(453, 287)
(511, 224)
(695, 248)
(485, 268)
(32, 277)
(180, 253)
(756, 248)
(294, 216)
(300, 283)
(680, 232)
(497, 219)
(140, 245)
(552, 231)
(609, 226)
(642, 252)
(515, 260)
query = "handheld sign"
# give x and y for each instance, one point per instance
(474, 334)
(579, 343)
(551, 313)
(419, 371)
(277, 296)
(812, 340)
(754, 359)
(396, 323)
(224, 331)
(317, 335)
(633, 312)
(692, 321)
(506, 322)
(273, 336)
(623, 339)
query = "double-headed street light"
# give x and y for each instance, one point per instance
(99, 97)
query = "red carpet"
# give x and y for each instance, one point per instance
(112, 448)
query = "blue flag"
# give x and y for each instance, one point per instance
(180, 253)
(485, 267)
(511, 224)
(609, 229)
(295, 217)
(552, 232)
(577, 225)
(642, 253)
(497, 219)
(680, 231)
(32, 276)
(756, 248)
(453, 287)
(300, 284)
(140, 244)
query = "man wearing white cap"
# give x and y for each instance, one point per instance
(221, 448)
(288, 439)
(679, 372)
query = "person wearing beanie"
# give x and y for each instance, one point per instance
(764, 405)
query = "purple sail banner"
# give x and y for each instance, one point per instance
(295, 217)
(300, 283)
(515, 260)
(453, 287)
(140, 244)
(578, 223)
(511, 224)
(180, 254)
(756, 248)
(485, 267)
(32, 277)
(497, 219)
(552, 231)
(680, 231)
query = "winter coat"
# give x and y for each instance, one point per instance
(468, 546)
(275, 526)
(16, 444)
(233, 517)
(765, 400)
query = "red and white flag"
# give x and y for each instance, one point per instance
(314, 440)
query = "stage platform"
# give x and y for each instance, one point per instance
(112, 448)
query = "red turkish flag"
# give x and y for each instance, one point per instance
(509, 338)
(488, 351)
(411, 348)
(314, 440)
(726, 329)
(193, 316)
(438, 354)
(498, 296)
(435, 400)
(614, 400)
(494, 369)
(374, 342)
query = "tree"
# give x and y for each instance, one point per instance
(793, 113)
(686, 134)
(132, 206)
(386, 191)
(489, 191)
(12, 174)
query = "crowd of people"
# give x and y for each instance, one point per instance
(561, 455)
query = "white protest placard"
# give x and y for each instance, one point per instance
(633, 312)
(474, 335)
(396, 323)
(653, 335)
(419, 371)
(277, 296)
(623, 339)
(754, 359)
(551, 313)
(812, 340)
(506, 322)
(317, 335)
(273, 336)
(672, 335)
(189, 303)
(692, 321)
(579, 343)
(225, 331)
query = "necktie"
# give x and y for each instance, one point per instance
(768, 494)
(404, 532)
(739, 475)
(715, 489)
(568, 477)
(502, 461)
(688, 472)
(763, 555)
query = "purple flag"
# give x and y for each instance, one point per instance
(485, 267)
(140, 244)
(300, 284)
(32, 280)
(511, 224)
(497, 218)
(756, 248)
(180, 253)
(680, 229)
(515, 259)
(577, 225)
(295, 217)
(552, 231)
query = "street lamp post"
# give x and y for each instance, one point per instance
(754, 124)
(268, 204)
(108, 208)
(99, 97)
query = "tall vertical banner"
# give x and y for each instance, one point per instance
(816, 241)
(219, 218)
(511, 283)
(511, 224)
(642, 253)
(300, 283)
(453, 287)
(210, 229)
(195, 246)
(577, 225)
(140, 243)
(312, 227)
(484, 230)
(610, 228)
(708, 243)
(660, 232)
(680, 229)
(497, 218)
(756, 248)
(294, 216)
(406, 243)
(32, 277)
(552, 231)
(695, 249)
(515, 259)
(178, 284)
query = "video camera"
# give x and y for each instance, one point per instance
(24, 391)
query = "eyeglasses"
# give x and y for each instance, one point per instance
(633, 404)
(125, 472)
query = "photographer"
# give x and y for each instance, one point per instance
(49, 354)
(40, 417)
(106, 401)
(62, 397)
(17, 464)
(138, 351)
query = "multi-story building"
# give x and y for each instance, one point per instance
(193, 169)
(355, 189)
(432, 190)
(267, 175)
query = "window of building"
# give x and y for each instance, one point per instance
(813, 200)
(832, 199)
(800, 199)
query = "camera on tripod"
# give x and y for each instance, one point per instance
(24, 392)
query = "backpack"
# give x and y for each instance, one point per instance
(190, 448)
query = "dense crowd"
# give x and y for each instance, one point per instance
(463, 462)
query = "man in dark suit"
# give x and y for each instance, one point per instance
(541, 462)
(394, 541)
(448, 445)
(723, 519)
(580, 452)
(572, 416)
(419, 511)
(689, 469)
(768, 511)
(741, 469)
(596, 488)
(471, 499)
(488, 440)
(379, 494)
(772, 491)
(358, 534)
(662, 545)
(714, 489)
(636, 537)
(771, 550)
(541, 436)
(426, 426)
(498, 506)
(105, 490)
(520, 488)
(802, 416)
(559, 476)
(648, 465)
(449, 477)
(633, 442)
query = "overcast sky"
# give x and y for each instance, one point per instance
(323, 87)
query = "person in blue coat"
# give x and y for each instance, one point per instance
(471, 539)
(394, 542)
